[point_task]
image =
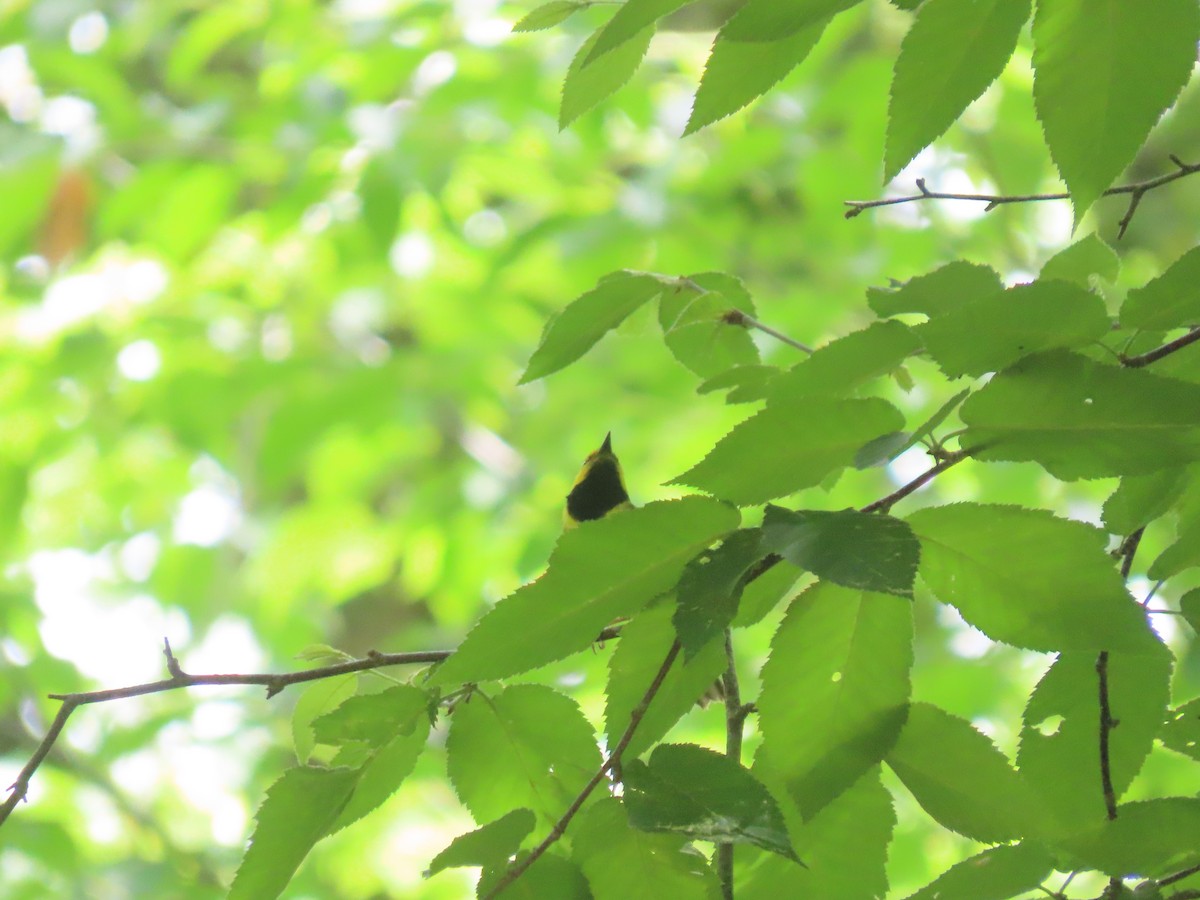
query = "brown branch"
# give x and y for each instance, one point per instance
(1178, 876)
(614, 758)
(950, 459)
(1136, 191)
(1136, 362)
(737, 317)
(1107, 723)
(735, 718)
(274, 683)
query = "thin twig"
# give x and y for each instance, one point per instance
(951, 459)
(273, 681)
(614, 758)
(1136, 362)
(1178, 876)
(1107, 722)
(737, 317)
(1136, 191)
(735, 718)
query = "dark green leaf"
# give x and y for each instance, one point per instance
(1168, 301)
(490, 845)
(938, 292)
(927, 429)
(1058, 755)
(549, 876)
(1083, 419)
(783, 449)
(995, 874)
(952, 52)
(1105, 71)
(600, 570)
(856, 550)
(528, 746)
(1189, 605)
(843, 365)
(711, 586)
(1029, 579)
(298, 811)
(705, 796)
(835, 690)
(959, 776)
(738, 73)
(993, 332)
(588, 318)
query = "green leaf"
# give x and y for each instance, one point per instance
(383, 771)
(711, 586)
(548, 15)
(785, 448)
(1140, 499)
(1189, 606)
(588, 318)
(628, 22)
(1105, 71)
(1082, 419)
(938, 292)
(373, 718)
(1081, 261)
(488, 846)
(1181, 731)
(622, 863)
(858, 550)
(990, 333)
(835, 690)
(952, 52)
(528, 746)
(882, 450)
(844, 848)
(1151, 838)
(738, 73)
(769, 20)
(598, 571)
(995, 874)
(764, 593)
(1183, 554)
(1027, 578)
(705, 796)
(1168, 301)
(959, 776)
(317, 699)
(746, 384)
(549, 876)
(586, 85)
(694, 328)
(895, 448)
(637, 659)
(297, 812)
(841, 366)
(1058, 753)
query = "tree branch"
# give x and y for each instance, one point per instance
(737, 317)
(614, 758)
(1135, 191)
(735, 718)
(274, 683)
(1107, 723)
(1136, 362)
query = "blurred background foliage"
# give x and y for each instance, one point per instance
(270, 274)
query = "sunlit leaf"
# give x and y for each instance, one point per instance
(490, 845)
(938, 292)
(586, 85)
(995, 874)
(1168, 301)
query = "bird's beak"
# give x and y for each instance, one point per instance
(606, 447)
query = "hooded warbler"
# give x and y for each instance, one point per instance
(599, 488)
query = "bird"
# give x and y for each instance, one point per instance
(599, 488)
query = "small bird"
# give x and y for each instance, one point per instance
(599, 488)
